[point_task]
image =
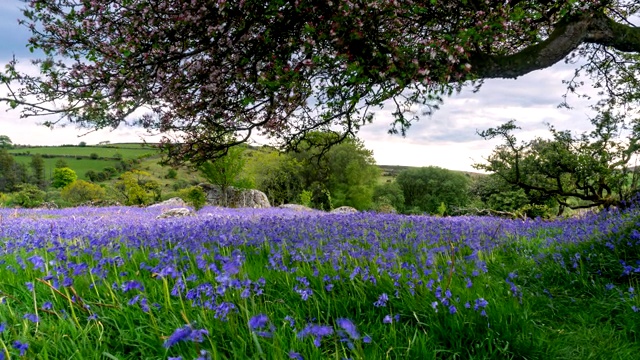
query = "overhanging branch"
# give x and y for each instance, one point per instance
(568, 34)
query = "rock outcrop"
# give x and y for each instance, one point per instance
(177, 212)
(296, 207)
(235, 198)
(175, 202)
(344, 210)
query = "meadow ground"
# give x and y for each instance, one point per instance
(116, 283)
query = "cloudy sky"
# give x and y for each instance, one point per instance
(447, 139)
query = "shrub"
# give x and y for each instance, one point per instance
(81, 191)
(194, 196)
(28, 196)
(171, 174)
(180, 184)
(94, 156)
(63, 177)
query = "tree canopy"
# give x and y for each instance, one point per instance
(204, 70)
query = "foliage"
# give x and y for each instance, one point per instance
(171, 174)
(305, 198)
(61, 163)
(389, 193)
(131, 187)
(278, 175)
(80, 191)
(499, 197)
(8, 178)
(593, 168)
(27, 196)
(345, 175)
(82, 144)
(63, 177)
(299, 67)
(38, 166)
(425, 188)
(5, 142)
(194, 196)
(224, 170)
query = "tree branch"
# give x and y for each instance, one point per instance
(569, 33)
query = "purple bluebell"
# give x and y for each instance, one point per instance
(349, 327)
(20, 346)
(382, 300)
(31, 317)
(295, 356)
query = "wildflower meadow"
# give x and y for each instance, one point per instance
(117, 283)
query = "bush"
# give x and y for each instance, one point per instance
(63, 177)
(194, 196)
(94, 156)
(180, 184)
(171, 174)
(81, 191)
(28, 196)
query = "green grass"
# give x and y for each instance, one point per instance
(80, 166)
(127, 151)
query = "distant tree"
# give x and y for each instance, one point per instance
(344, 175)
(61, 163)
(8, 178)
(131, 187)
(389, 193)
(94, 156)
(81, 191)
(425, 189)
(5, 142)
(82, 144)
(37, 167)
(278, 175)
(584, 171)
(63, 177)
(224, 170)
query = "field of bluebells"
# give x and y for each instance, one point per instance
(117, 283)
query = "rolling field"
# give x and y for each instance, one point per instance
(126, 150)
(117, 283)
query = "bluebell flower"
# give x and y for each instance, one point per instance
(31, 317)
(258, 322)
(387, 319)
(291, 321)
(609, 286)
(367, 339)
(349, 327)
(316, 331)
(382, 300)
(295, 356)
(452, 309)
(20, 346)
(3, 327)
(132, 285)
(29, 286)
